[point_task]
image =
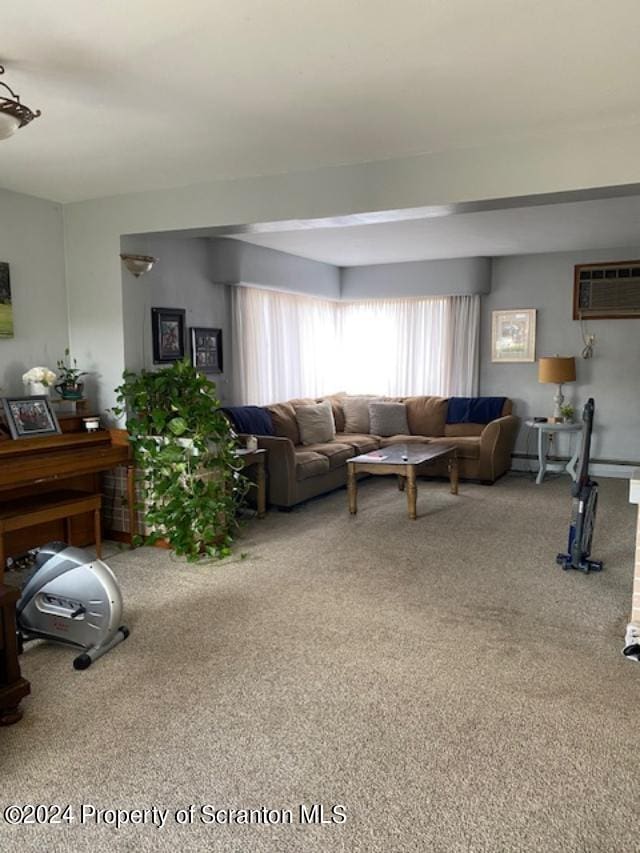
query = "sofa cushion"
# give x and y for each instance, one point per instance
(359, 443)
(309, 464)
(336, 405)
(426, 415)
(302, 401)
(356, 414)
(285, 425)
(336, 452)
(387, 418)
(403, 439)
(315, 423)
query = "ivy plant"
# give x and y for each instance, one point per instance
(192, 484)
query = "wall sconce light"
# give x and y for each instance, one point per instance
(138, 264)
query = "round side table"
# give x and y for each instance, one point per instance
(546, 429)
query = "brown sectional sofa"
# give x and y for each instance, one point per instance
(297, 472)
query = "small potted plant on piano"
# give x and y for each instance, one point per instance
(69, 387)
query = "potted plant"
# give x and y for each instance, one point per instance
(69, 387)
(185, 448)
(567, 411)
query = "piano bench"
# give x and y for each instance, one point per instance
(51, 506)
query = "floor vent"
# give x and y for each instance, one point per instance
(607, 291)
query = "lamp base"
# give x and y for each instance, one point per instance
(558, 400)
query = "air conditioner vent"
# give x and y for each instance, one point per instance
(607, 291)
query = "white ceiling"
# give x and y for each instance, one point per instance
(599, 224)
(147, 94)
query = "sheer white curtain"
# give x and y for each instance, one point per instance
(463, 344)
(284, 345)
(411, 346)
(297, 346)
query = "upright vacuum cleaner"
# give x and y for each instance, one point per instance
(585, 502)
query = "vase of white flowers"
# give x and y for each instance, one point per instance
(38, 381)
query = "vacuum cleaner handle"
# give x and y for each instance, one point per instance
(583, 475)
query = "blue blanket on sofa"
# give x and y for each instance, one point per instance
(474, 410)
(253, 420)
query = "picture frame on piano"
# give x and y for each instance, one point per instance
(30, 417)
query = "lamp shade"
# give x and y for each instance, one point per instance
(557, 369)
(138, 264)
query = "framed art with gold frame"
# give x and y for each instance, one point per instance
(513, 335)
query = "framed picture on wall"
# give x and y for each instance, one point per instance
(513, 335)
(29, 417)
(206, 349)
(167, 333)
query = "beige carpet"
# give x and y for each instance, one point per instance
(442, 679)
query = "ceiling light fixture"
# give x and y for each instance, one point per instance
(13, 114)
(138, 264)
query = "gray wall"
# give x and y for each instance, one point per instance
(93, 229)
(417, 278)
(545, 282)
(32, 242)
(180, 279)
(233, 261)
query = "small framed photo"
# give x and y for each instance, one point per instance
(167, 333)
(206, 349)
(513, 335)
(29, 417)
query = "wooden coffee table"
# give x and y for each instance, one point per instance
(406, 461)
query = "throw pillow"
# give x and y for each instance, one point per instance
(283, 418)
(356, 414)
(388, 419)
(316, 423)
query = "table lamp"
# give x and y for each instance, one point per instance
(557, 370)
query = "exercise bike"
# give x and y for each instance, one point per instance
(73, 599)
(585, 503)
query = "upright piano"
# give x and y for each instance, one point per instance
(31, 467)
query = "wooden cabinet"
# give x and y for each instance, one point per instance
(35, 469)
(36, 466)
(13, 688)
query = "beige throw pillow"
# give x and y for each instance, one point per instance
(316, 423)
(356, 414)
(388, 418)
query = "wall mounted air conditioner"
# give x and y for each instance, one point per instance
(606, 291)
